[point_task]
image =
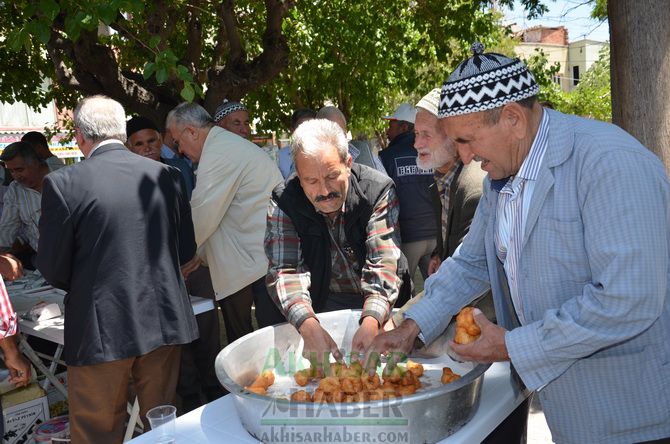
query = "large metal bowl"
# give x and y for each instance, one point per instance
(433, 413)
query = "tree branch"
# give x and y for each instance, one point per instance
(230, 26)
(238, 76)
(194, 37)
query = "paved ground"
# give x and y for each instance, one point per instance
(538, 432)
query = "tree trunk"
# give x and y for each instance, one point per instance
(640, 68)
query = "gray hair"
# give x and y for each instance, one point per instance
(189, 114)
(333, 114)
(314, 136)
(100, 118)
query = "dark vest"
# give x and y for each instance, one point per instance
(366, 187)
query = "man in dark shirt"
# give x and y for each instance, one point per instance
(418, 226)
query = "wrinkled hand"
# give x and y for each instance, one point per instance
(318, 343)
(433, 264)
(367, 331)
(10, 267)
(190, 266)
(398, 343)
(19, 367)
(490, 347)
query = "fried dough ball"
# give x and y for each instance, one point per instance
(351, 384)
(321, 396)
(355, 397)
(370, 382)
(338, 397)
(467, 330)
(415, 367)
(405, 390)
(257, 390)
(449, 376)
(395, 375)
(331, 384)
(375, 395)
(301, 396)
(261, 384)
(302, 377)
(353, 371)
(409, 379)
(336, 369)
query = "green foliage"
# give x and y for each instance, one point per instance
(342, 52)
(545, 75)
(593, 97)
(590, 98)
(366, 57)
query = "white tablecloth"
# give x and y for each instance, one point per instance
(218, 422)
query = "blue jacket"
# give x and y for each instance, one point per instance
(417, 215)
(594, 273)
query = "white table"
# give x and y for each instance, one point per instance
(218, 422)
(53, 330)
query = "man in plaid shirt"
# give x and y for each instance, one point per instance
(332, 240)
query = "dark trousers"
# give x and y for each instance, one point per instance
(98, 393)
(198, 383)
(267, 312)
(236, 311)
(514, 428)
(343, 301)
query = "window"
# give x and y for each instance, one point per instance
(575, 75)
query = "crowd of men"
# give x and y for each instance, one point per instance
(557, 227)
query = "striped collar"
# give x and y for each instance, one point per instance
(531, 164)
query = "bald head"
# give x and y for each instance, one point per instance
(333, 114)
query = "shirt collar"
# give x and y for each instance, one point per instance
(103, 143)
(531, 164)
(530, 167)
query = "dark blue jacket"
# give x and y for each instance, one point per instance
(417, 216)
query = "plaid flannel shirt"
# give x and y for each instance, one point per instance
(443, 182)
(376, 280)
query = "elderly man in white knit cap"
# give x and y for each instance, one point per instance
(572, 235)
(234, 117)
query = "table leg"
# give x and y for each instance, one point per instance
(37, 362)
(134, 419)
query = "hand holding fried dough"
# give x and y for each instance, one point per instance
(467, 330)
(489, 347)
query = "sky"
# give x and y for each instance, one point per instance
(573, 14)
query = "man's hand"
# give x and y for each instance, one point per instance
(318, 343)
(190, 266)
(19, 367)
(10, 267)
(367, 331)
(433, 264)
(398, 341)
(490, 347)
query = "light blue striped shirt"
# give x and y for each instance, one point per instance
(512, 212)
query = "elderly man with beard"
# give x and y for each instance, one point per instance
(455, 191)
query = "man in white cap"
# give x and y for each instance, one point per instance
(572, 235)
(418, 225)
(234, 117)
(456, 189)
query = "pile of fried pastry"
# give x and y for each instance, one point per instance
(350, 383)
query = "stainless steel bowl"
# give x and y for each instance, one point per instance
(433, 413)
